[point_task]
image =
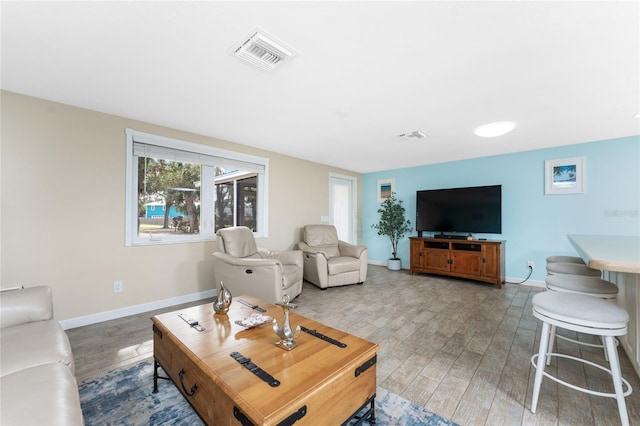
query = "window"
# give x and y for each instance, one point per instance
(180, 191)
(236, 199)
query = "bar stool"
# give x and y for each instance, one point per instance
(572, 269)
(584, 314)
(579, 284)
(565, 259)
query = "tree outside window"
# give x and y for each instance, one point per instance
(179, 192)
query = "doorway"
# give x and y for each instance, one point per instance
(343, 196)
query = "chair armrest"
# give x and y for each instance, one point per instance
(287, 257)
(352, 250)
(261, 278)
(315, 268)
(245, 262)
(26, 305)
(307, 249)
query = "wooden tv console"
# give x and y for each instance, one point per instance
(480, 260)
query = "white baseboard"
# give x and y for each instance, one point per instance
(384, 263)
(134, 310)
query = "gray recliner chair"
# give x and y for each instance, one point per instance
(329, 262)
(246, 269)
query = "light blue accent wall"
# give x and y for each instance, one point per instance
(534, 225)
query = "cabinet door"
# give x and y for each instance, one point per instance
(466, 263)
(490, 260)
(435, 259)
(416, 254)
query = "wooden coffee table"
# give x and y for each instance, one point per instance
(238, 376)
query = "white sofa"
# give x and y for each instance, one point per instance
(37, 381)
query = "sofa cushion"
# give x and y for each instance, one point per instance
(341, 264)
(42, 395)
(328, 251)
(238, 242)
(35, 343)
(25, 305)
(320, 235)
(322, 239)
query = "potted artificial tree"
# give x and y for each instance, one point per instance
(393, 224)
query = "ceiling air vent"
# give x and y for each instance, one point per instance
(263, 50)
(413, 136)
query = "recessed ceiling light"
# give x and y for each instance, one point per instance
(492, 130)
(636, 116)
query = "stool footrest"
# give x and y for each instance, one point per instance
(593, 345)
(579, 388)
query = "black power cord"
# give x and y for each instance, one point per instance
(528, 276)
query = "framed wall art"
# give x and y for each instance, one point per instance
(564, 176)
(385, 188)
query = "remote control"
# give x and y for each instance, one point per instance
(188, 319)
(251, 305)
(245, 303)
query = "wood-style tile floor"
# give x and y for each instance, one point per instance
(461, 349)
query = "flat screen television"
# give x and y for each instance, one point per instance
(476, 209)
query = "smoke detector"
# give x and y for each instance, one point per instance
(263, 50)
(414, 136)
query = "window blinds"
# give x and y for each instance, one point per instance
(141, 149)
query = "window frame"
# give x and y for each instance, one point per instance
(207, 215)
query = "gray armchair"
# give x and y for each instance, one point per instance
(246, 269)
(329, 262)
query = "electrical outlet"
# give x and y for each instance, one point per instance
(117, 286)
(530, 264)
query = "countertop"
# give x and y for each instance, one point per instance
(619, 253)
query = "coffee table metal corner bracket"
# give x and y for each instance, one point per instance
(156, 364)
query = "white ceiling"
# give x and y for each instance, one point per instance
(565, 72)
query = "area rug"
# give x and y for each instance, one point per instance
(124, 397)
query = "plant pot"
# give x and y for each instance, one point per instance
(394, 264)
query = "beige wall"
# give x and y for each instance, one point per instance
(63, 209)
